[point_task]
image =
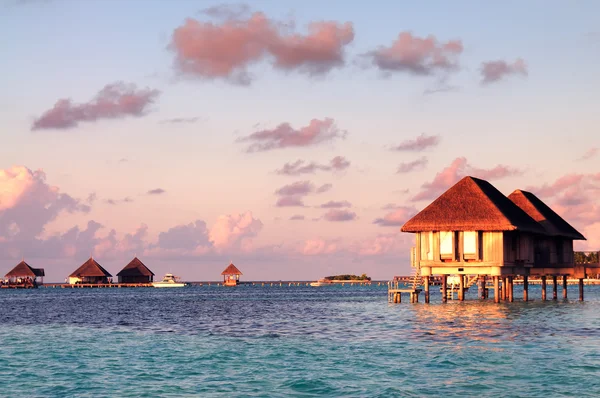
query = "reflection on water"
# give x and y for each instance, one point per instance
(282, 341)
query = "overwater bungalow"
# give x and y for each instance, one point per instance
(90, 272)
(231, 275)
(23, 276)
(135, 272)
(473, 229)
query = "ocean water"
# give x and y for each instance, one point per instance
(294, 341)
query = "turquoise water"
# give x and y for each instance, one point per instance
(294, 341)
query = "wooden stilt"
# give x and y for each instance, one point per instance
(554, 288)
(564, 283)
(496, 289)
(505, 288)
(510, 289)
(525, 287)
(461, 288)
(580, 289)
(426, 284)
(543, 287)
(444, 288)
(482, 292)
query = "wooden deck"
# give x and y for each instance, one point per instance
(94, 285)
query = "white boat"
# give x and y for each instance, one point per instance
(321, 282)
(169, 280)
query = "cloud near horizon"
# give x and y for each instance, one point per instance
(28, 203)
(115, 101)
(494, 71)
(417, 56)
(226, 49)
(458, 169)
(299, 167)
(285, 136)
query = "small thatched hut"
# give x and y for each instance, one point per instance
(90, 272)
(555, 249)
(231, 275)
(24, 274)
(135, 272)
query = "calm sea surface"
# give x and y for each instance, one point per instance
(294, 341)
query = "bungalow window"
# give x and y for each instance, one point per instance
(427, 246)
(470, 243)
(446, 245)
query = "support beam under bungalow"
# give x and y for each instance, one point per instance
(525, 288)
(554, 288)
(543, 287)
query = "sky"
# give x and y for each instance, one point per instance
(293, 138)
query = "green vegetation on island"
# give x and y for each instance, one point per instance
(346, 277)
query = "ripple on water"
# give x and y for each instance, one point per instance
(293, 341)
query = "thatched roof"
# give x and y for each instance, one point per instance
(23, 270)
(472, 204)
(135, 268)
(231, 270)
(90, 268)
(554, 224)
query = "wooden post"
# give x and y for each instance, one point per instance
(554, 288)
(444, 288)
(510, 289)
(461, 288)
(505, 288)
(564, 286)
(543, 287)
(426, 283)
(482, 287)
(580, 289)
(496, 289)
(525, 287)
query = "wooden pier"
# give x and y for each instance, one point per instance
(94, 285)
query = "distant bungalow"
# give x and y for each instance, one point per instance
(90, 272)
(231, 275)
(474, 229)
(135, 272)
(24, 276)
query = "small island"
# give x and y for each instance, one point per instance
(333, 279)
(346, 277)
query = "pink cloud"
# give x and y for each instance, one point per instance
(114, 101)
(297, 217)
(415, 165)
(316, 53)
(284, 136)
(290, 201)
(226, 50)
(28, 203)
(558, 186)
(336, 205)
(298, 167)
(235, 231)
(397, 217)
(494, 71)
(339, 215)
(418, 144)
(313, 247)
(419, 56)
(458, 169)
